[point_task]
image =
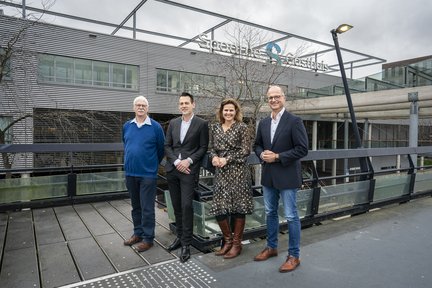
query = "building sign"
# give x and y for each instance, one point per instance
(272, 52)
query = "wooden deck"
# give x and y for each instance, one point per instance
(57, 246)
(67, 245)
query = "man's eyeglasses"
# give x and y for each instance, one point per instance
(141, 105)
(276, 97)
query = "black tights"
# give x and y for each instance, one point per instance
(223, 217)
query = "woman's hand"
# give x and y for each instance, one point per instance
(219, 162)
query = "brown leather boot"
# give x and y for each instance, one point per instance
(227, 236)
(239, 224)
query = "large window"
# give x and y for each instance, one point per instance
(197, 84)
(77, 71)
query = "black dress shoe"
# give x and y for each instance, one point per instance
(175, 245)
(185, 254)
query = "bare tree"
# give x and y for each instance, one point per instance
(11, 48)
(17, 64)
(248, 71)
(247, 76)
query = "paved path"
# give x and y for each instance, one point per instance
(389, 248)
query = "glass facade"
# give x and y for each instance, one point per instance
(402, 74)
(409, 73)
(75, 71)
(197, 84)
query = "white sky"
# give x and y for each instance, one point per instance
(391, 29)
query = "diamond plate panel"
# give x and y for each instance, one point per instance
(173, 274)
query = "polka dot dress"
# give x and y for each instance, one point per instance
(232, 183)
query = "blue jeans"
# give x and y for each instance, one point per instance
(142, 192)
(271, 203)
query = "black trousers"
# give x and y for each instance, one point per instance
(182, 188)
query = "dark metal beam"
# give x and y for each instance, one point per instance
(67, 16)
(188, 40)
(205, 32)
(129, 16)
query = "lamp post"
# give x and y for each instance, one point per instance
(341, 29)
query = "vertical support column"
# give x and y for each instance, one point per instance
(398, 162)
(334, 146)
(413, 128)
(314, 137)
(368, 137)
(24, 13)
(369, 140)
(134, 25)
(366, 133)
(72, 185)
(346, 146)
(212, 38)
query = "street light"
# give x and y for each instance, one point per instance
(339, 30)
(343, 28)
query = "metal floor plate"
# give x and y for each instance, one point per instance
(171, 274)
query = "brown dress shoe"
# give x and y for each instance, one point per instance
(143, 246)
(290, 264)
(266, 253)
(131, 241)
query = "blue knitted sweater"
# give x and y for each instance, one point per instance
(143, 149)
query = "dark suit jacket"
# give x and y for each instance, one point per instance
(291, 143)
(194, 144)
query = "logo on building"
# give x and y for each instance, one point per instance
(272, 53)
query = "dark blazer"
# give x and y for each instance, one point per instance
(291, 143)
(194, 144)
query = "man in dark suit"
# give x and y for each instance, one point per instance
(185, 145)
(280, 143)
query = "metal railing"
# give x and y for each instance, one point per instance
(323, 196)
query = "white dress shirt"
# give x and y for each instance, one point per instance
(274, 124)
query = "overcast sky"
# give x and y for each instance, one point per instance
(390, 29)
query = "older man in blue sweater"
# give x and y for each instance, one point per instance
(143, 140)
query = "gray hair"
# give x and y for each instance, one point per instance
(140, 98)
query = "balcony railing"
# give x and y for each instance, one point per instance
(323, 195)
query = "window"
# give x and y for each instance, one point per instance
(4, 60)
(77, 71)
(119, 75)
(173, 81)
(83, 72)
(64, 68)
(161, 80)
(101, 74)
(177, 81)
(46, 68)
(5, 121)
(131, 77)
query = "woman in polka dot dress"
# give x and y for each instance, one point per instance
(229, 148)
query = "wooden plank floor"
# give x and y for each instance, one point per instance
(57, 246)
